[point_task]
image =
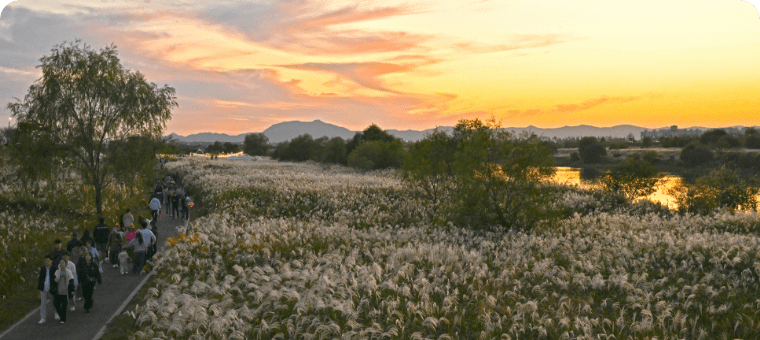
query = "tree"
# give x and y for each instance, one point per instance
(381, 150)
(751, 139)
(215, 149)
(483, 175)
(84, 104)
(301, 148)
(590, 150)
(377, 154)
(633, 179)
(646, 142)
(256, 144)
(230, 148)
(335, 151)
(695, 154)
(728, 142)
(712, 136)
(429, 165)
(722, 188)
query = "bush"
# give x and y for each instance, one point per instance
(590, 150)
(377, 155)
(485, 176)
(633, 179)
(728, 142)
(722, 188)
(256, 144)
(696, 154)
(335, 151)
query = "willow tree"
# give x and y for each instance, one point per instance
(90, 114)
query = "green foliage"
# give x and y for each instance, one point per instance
(256, 144)
(374, 148)
(633, 179)
(722, 188)
(574, 157)
(218, 148)
(728, 142)
(377, 154)
(429, 165)
(712, 137)
(591, 151)
(651, 157)
(301, 148)
(696, 154)
(647, 142)
(483, 175)
(751, 139)
(335, 151)
(677, 142)
(85, 101)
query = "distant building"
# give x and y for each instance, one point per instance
(673, 131)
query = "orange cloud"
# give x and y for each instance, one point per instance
(570, 108)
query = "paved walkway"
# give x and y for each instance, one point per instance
(110, 298)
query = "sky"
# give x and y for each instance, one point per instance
(241, 66)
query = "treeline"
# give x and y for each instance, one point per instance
(370, 149)
(482, 176)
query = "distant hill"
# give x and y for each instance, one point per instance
(285, 131)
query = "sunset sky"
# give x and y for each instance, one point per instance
(242, 66)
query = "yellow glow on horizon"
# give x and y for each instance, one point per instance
(528, 62)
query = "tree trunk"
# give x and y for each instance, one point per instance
(98, 199)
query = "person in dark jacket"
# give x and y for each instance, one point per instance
(86, 237)
(114, 245)
(58, 251)
(45, 286)
(100, 234)
(75, 242)
(89, 273)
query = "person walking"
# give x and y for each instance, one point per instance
(73, 269)
(164, 196)
(114, 246)
(140, 248)
(175, 203)
(100, 234)
(64, 280)
(128, 237)
(150, 239)
(57, 254)
(45, 282)
(86, 237)
(74, 242)
(168, 200)
(155, 208)
(127, 219)
(89, 274)
(81, 251)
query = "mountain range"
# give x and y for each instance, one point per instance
(286, 131)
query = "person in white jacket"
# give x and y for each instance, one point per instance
(64, 280)
(155, 207)
(73, 269)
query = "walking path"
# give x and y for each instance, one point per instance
(110, 299)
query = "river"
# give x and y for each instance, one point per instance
(572, 176)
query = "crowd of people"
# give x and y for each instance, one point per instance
(69, 274)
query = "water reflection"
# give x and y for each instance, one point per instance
(572, 176)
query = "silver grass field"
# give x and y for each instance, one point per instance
(303, 251)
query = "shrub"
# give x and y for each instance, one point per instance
(696, 154)
(590, 150)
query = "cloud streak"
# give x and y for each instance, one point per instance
(570, 108)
